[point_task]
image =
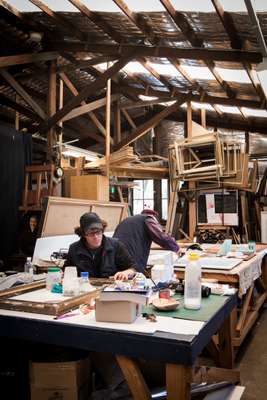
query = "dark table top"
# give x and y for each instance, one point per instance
(160, 346)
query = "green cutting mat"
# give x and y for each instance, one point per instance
(209, 306)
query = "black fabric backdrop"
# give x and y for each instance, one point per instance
(15, 153)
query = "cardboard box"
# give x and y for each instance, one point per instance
(116, 311)
(57, 375)
(46, 393)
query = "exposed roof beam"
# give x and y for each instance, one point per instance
(138, 51)
(151, 123)
(8, 61)
(256, 25)
(97, 20)
(6, 101)
(227, 123)
(183, 24)
(91, 114)
(137, 21)
(87, 107)
(229, 26)
(188, 97)
(85, 63)
(22, 92)
(60, 20)
(98, 84)
(237, 42)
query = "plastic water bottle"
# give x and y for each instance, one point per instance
(192, 292)
(85, 285)
(28, 267)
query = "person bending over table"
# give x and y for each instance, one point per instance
(97, 254)
(138, 232)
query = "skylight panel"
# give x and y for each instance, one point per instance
(102, 5)
(198, 72)
(193, 5)
(204, 106)
(233, 75)
(145, 5)
(199, 106)
(60, 5)
(166, 69)
(23, 5)
(135, 67)
(147, 98)
(251, 112)
(228, 109)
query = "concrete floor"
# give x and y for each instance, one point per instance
(252, 361)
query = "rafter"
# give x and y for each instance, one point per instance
(22, 92)
(59, 19)
(183, 24)
(97, 20)
(8, 61)
(8, 102)
(238, 43)
(151, 123)
(98, 84)
(138, 51)
(188, 97)
(75, 92)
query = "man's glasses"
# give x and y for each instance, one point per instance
(98, 232)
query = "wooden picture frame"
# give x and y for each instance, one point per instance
(56, 308)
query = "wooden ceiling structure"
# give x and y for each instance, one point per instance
(50, 80)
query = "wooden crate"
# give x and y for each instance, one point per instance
(90, 187)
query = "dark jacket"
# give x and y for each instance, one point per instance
(110, 258)
(138, 232)
(133, 232)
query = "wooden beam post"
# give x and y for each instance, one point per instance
(52, 108)
(108, 104)
(117, 122)
(191, 185)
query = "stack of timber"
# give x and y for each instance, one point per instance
(124, 163)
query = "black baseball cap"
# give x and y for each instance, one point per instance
(90, 221)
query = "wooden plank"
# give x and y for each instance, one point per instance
(214, 374)
(91, 114)
(8, 61)
(91, 88)
(22, 92)
(151, 123)
(178, 379)
(134, 378)
(244, 309)
(87, 107)
(138, 51)
(117, 122)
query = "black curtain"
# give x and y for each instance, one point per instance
(14, 146)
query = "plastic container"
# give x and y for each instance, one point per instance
(53, 277)
(28, 268)
(192, 290)
(85, 285)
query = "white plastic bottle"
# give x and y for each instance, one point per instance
(192, 291)
(28, 267)
(85, 285)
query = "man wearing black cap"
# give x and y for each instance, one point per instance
(138, 232)
(101, 256)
